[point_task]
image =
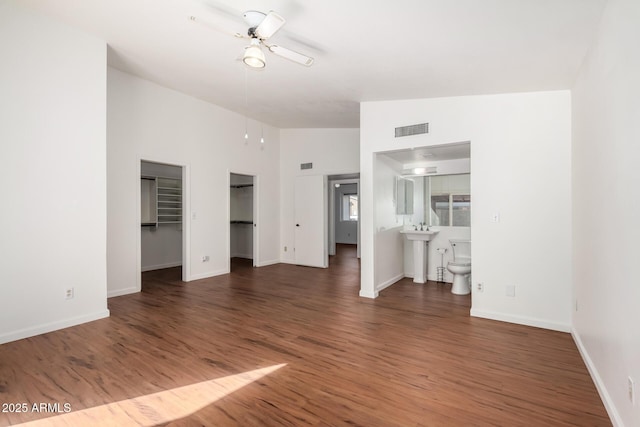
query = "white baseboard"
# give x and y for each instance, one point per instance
(207, 275)
(269, 262)
(120, 292)
(595, 376)
(389, 282)
(161, 266)
(245, 256)
(371, 295)
(52, 326)
(521, 320)
(429, 278)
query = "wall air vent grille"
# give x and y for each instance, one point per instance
(304, 166)
(412, 130)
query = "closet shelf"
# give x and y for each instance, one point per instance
(161, 201)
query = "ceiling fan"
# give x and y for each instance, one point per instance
(262, 26)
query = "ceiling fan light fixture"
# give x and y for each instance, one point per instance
(253, 55)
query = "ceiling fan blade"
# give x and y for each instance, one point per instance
(216, 27)
(269, 25)
(291, 55)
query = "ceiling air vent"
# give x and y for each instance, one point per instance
(304, 166)
(412, 130)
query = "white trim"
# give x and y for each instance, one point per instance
(389, 282)
(255, 232)
(429, 278)
(269, 262)
(186, 221)
(161, 266)
(521, 320)
(138, 234)
(435, 278)
(614, 416)
(185, 224)
(52, 326)
(120, 292)
(366, 294)
(208, 274)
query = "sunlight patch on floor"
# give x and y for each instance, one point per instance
(158, 408)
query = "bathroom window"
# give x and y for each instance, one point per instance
(448, 200)
(461, 210)
(440, 210)
(451, 210)
(350, 207)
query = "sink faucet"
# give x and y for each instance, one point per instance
(421, 227)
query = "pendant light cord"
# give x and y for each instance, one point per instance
(246, 107)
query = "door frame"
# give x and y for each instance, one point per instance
(331, 237)
(186, 215)
(325, 220)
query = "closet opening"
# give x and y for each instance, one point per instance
(161, 239)
(242, 227)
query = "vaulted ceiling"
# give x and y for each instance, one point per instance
(364, 50)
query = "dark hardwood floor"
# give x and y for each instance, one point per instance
(286, 345)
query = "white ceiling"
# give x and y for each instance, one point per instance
(364, 50)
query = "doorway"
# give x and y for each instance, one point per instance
(242, 220)
(161, 207)
(344, 212)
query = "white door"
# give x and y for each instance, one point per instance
(311, 221)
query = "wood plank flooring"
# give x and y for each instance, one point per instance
(286, 345)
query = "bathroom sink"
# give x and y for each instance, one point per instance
(423, 236)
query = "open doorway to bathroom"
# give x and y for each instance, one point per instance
(242, 221)
(439, 181)
(161, 233)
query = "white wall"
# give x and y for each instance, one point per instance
(332, 152)
(606, 209)
(53, 133)
(520, 168)
(149, 122)
(388, 262)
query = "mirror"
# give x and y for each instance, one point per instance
(446, 199)
(404, 196)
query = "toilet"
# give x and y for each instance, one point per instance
(460, 266)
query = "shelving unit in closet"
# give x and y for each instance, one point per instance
(161, 199)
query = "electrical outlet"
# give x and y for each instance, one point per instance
(632, 390)
(511, 291)
(68, 293)
(205, 258)
(480, 287)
